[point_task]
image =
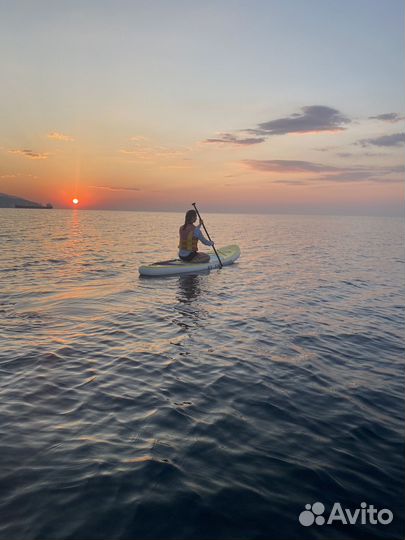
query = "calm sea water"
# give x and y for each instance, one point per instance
(213, 406)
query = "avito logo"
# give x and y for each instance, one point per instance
(366, 514)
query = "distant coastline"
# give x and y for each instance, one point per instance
(11, 201)
(48, 206)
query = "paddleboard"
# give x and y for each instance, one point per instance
(228, 255)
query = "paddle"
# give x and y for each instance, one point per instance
(206, 232)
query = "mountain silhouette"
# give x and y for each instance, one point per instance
(9, 201)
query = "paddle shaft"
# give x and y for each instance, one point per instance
(207, 233)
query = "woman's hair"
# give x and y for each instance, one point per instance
(191, 216)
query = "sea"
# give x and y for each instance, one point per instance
(262, 401)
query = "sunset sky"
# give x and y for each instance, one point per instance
(261, 106)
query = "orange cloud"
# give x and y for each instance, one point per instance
(140, 150)
(116, 188)
(138, 138)
(56, 136)
(18, 175)
(29, 153)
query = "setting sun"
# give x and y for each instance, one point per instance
(75, 201)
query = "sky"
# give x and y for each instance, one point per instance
(249, 106)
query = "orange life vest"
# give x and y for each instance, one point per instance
(187, 239)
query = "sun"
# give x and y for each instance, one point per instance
(75, 201)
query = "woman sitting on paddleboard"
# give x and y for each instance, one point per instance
(189, 236)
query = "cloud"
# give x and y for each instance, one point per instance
(138, 138)
(19, 175)
(363, 154)
(177, 167)
(326, 173)
(116, 188)
(142, 151)
(289, 182)
(344, 154)
(287, 166)
(312, 119)
(349, 175)
(396, 139)
(60, 136)
(29, 153)
(228, 138)
(387, 117)
(141, 154)
(151, 154)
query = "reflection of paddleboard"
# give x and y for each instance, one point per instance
(228, 255)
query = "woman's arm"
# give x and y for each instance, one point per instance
(198, 234)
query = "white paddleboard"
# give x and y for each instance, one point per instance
(227, 254)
